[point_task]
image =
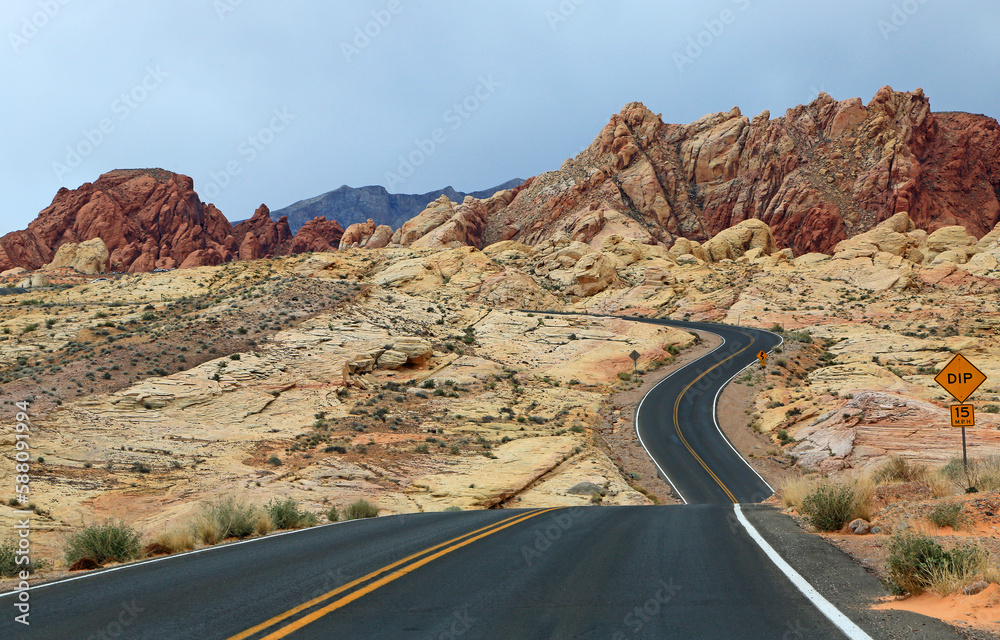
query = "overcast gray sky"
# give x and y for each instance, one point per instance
(278, 101)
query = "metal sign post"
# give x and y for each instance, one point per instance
(635, 362)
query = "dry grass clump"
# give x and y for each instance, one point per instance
(794, 489)
(175, 540)
(899, 469)
(940, 485)
(264, 524)
(360, 509)
(830, 504)
(230, 518)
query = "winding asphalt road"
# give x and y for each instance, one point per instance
(677, 425)
(707, 570)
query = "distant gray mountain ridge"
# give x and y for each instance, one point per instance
(348, 205)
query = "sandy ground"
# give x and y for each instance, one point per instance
(976, 614)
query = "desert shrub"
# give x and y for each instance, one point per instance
(8, 565)
(360, 509)
(8, 561)
(274, 461)
(624, 375)
(802, 336)
(954, 469)
(107, 542)
(453, 508)
(332, 514)
(898, 469)
(917, 563)
(983, 473)
(228, 518)
(830, 506)
(285, 514)
(948, 514)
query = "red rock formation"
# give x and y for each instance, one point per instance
(318, 234)
(823, 172)
(147, 218)
(250, 247)
(152, 219)
(271, 238)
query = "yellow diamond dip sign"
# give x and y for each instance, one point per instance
(961, 378)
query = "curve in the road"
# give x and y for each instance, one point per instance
(676, 421)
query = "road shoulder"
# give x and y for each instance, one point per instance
(839, 579)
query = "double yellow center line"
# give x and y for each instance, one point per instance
(328, 602)
(677, 422)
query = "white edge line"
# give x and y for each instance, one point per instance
(845, 624)
(635, 420)
(147, 562)
(715, 412)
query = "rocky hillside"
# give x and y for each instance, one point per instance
(823, 173)
(349, 205)
(820, 174)
(153, 219)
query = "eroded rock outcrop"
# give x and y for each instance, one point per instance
(318, 234)
(820, 174)
(734, 242)
(261, 237)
